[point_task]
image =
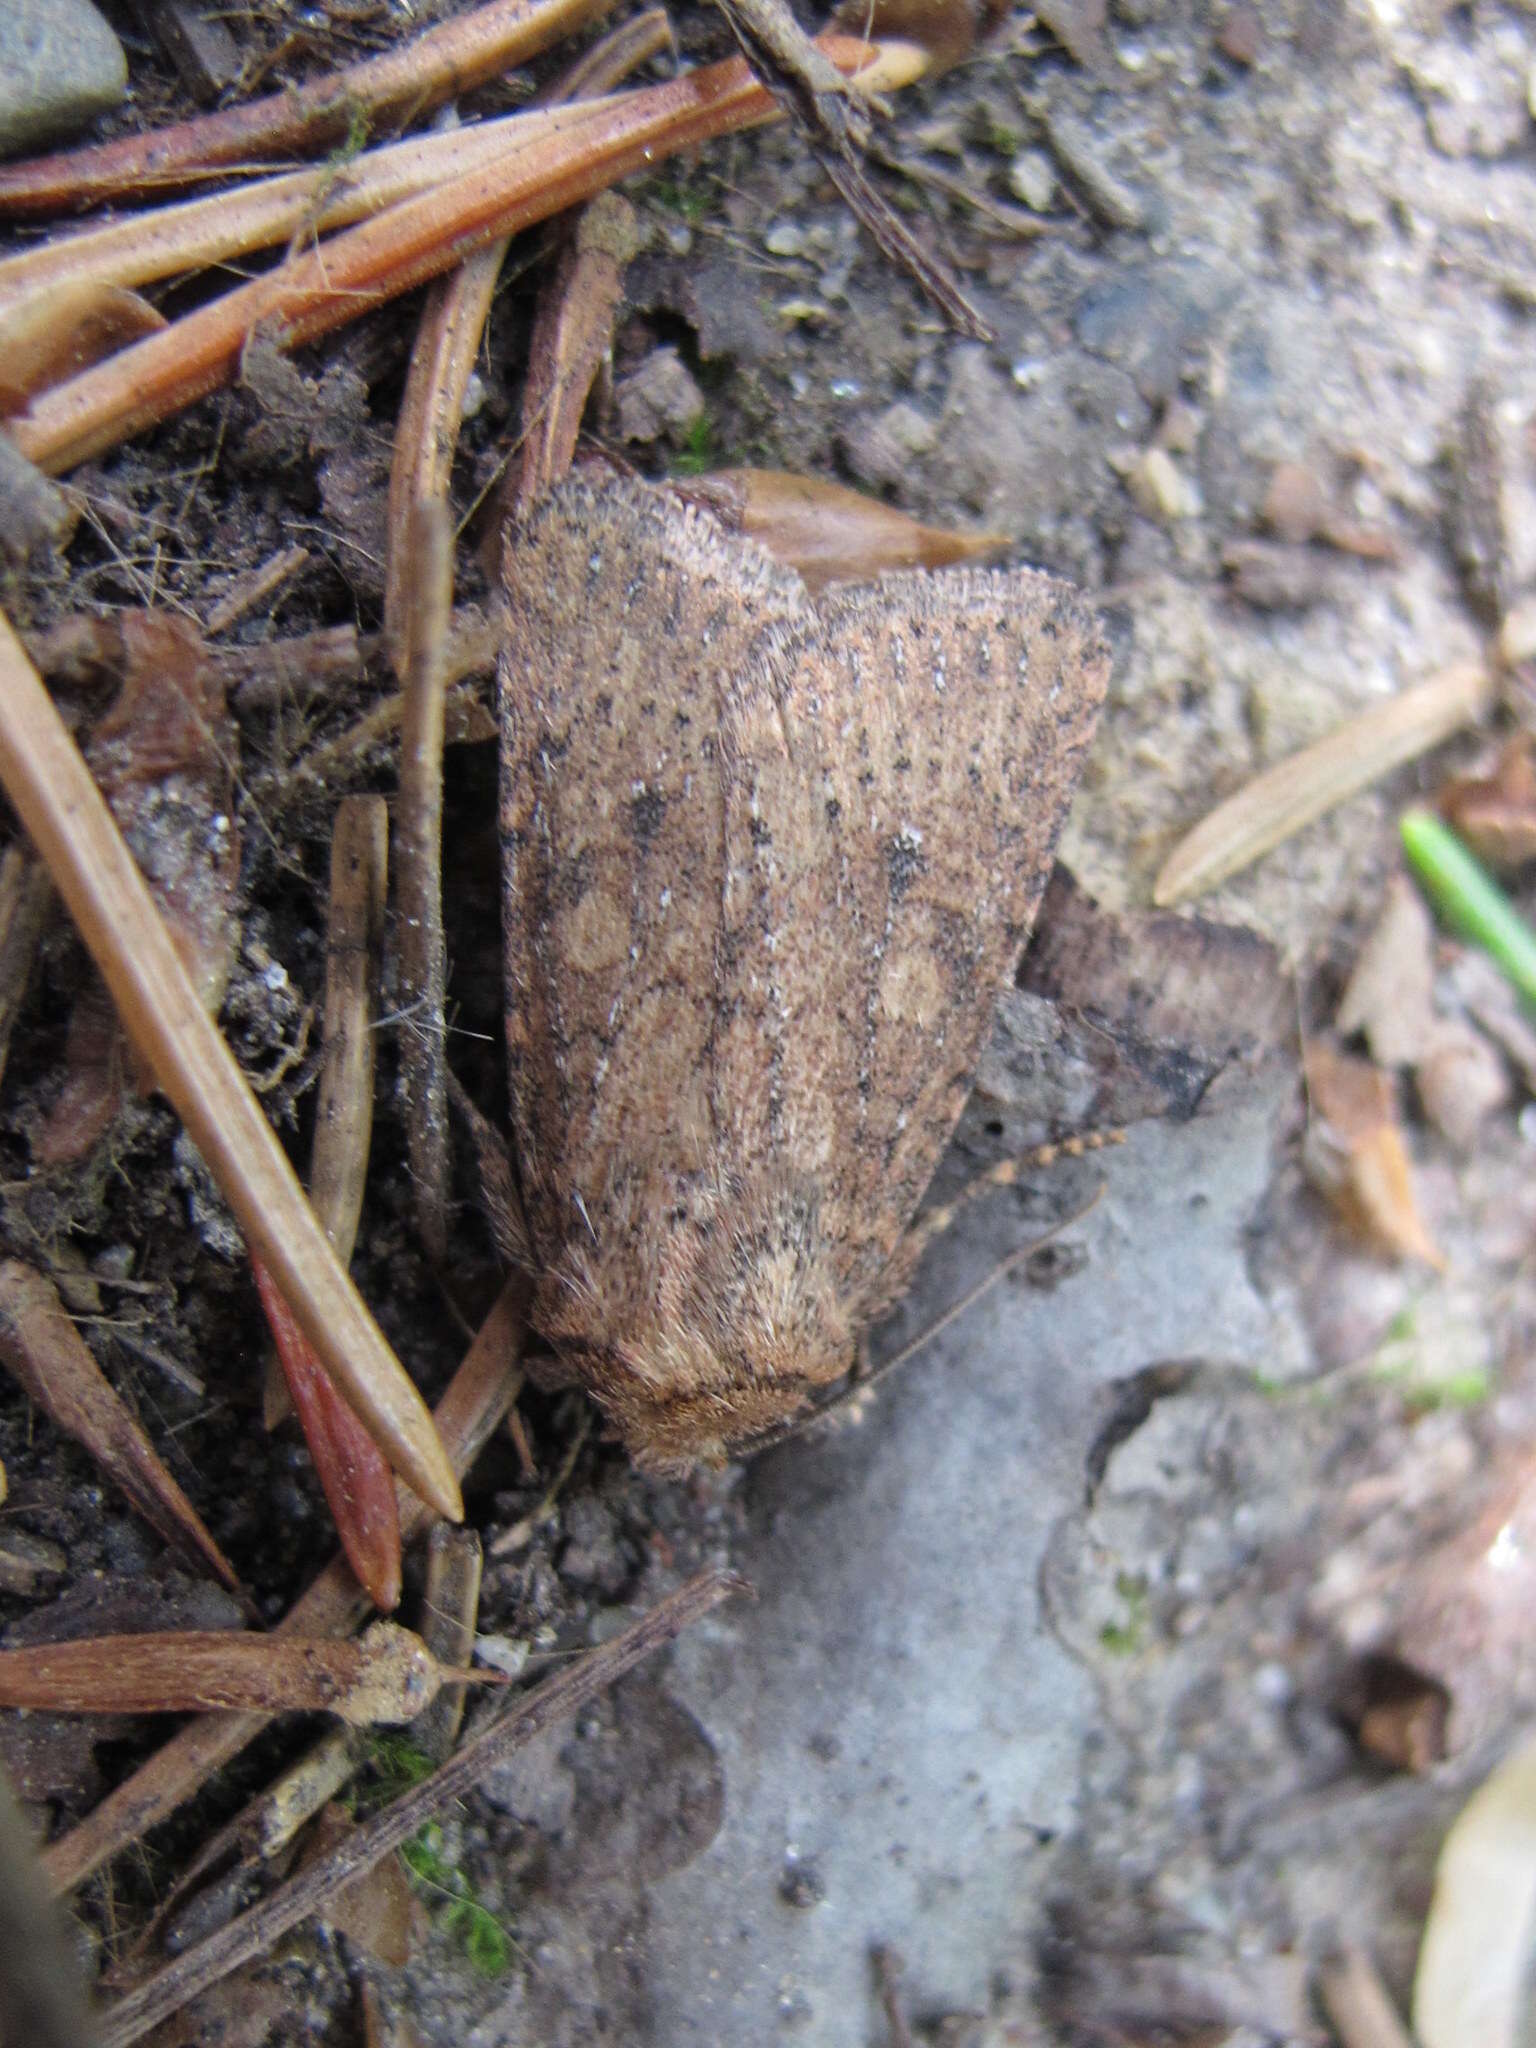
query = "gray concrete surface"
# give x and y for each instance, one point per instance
(899, 1727)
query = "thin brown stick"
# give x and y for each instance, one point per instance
(615, 57)
(560, 1695)
(68, 822)
(365, 266)
(386, 1674)
(43, 1350)
(332, 763)
(262, 1829)
(404, 82)
(419, 866)
(479, 1395)
(427, 430)
(293, 670)
(255, 588)
(431, 414)
(573, 327)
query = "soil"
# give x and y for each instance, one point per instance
(1049, 1684)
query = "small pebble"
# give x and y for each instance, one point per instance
(659, 399)
(785, 239)
(1161, 489)
(1295, 508)
(60, 66)
(1032, 178)
(1241, 35)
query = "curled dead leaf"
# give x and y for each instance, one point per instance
(826, 532)
(54, 334)
(1354, 1153)
(1496, 813)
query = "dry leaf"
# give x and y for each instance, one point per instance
(1461, 1082)
(1390, 993)
(1354, 1153)
(827, 533)
(387, 1674)
(1496, 814)
(41, 1348)
(947, 29)
(50, 335)
(379, 1911)
(1471, 1989)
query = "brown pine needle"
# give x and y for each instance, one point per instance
(338, 1166)
(597, 143)
(164, 241)
(419, 873)
(68, 822)
(407, 81)
(348, 1463)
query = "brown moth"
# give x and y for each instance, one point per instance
(767, 863)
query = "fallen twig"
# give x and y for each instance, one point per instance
(338, 1160)
(69, 824)
(344, 1098)
(132, 2016)
(409, 80)
(386, 1674)
(572, 335)
(479, 1395)
(255, 588)
(450, 1609)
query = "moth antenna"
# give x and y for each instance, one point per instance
(1004, 1175)
(499, 1195)
(803, 1424)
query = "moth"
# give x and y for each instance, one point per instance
(767, 864)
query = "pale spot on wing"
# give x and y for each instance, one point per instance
(911, 991)
(596, 934)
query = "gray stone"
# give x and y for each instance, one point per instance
(533, 1785)
(658, 400)
(60, 66)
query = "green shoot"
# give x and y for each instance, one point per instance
(1467, 896)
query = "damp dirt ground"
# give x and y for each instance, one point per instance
(1045, 1693)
